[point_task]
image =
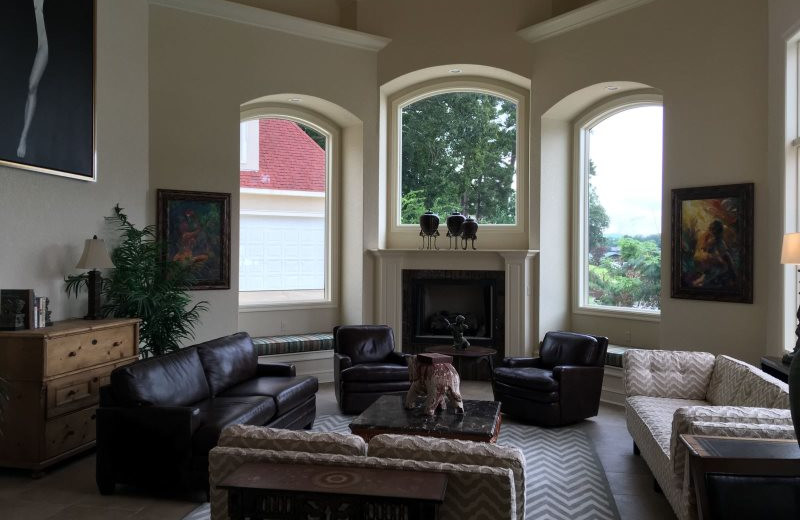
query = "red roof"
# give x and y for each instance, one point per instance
(288, 159)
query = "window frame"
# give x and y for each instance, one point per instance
(406, 235)
(580, 271)
(791, 277)
(332, 133)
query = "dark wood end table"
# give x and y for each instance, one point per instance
(480, 421)
(737, 456)
(265, 490)
(470, 352)
(774, 366)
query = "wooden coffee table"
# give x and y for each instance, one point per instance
(479, 422)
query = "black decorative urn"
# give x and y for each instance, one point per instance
(469, 230)
(454, 222)
(429, 223)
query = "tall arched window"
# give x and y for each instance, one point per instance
(285, 238)
(619, 151)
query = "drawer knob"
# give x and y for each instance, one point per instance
(116, 344)
(70, 393)
(94, 380)
(69, 434)
(72, 354)
(94, 342)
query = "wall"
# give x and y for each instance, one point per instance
(202, 69)
(45, 219)
(710, 66)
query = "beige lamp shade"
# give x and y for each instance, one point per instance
(94, 255)
(790, 252)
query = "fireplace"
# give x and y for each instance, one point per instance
(432, 298)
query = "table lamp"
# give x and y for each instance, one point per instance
(94, 257)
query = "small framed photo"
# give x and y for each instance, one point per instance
(47, 94)
(196, 228)
(712, 243)
(16, 309)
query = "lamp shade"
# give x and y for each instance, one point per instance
(94, 255)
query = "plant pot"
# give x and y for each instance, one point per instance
(429, 223)
(454, 223)
(794, 393)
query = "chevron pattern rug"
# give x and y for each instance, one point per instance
(565, 480)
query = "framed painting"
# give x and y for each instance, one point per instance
(196, 227)
(47, 94)
(712, 243)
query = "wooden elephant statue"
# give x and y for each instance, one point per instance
(437, 379)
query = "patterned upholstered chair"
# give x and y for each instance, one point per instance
(561, 386)
(670, 393)
(366, 366)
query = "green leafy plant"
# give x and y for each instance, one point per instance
(145, 284)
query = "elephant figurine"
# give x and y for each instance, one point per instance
(437, 379)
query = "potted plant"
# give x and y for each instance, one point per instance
(145, 284)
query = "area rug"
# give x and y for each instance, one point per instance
(564, 478)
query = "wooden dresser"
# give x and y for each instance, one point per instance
(54, 376)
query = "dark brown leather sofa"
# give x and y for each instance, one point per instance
(561, 386)
(159, 417)
(365, 366)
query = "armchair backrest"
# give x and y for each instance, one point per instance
(363, 343)
(569, 348)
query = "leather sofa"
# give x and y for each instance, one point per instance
(159, 417)
(561, 386)
(366, 366)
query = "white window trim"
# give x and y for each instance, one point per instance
(791, 286)
(407, 235)
(332, 203)
(580, 236)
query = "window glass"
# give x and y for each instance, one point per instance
(458, 153)
(622, 168)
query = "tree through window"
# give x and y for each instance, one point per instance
(459, 153)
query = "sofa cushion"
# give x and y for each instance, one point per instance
(413, 447)
(656, 414)
(667, 373)
(376, 372)
(175, 379)
(228, 361)
(736, 383)
(532, 378)
(288, 392)
(215, 414)
(364, 343)
(263, 438)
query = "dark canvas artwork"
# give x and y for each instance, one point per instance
(47, 86)
(196, 229)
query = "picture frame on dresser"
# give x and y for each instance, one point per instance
(16, 309)
(47, 96)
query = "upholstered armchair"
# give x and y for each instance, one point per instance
(365, 366)
(561, 386)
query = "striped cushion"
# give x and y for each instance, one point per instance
(269, 345)
(614, 355)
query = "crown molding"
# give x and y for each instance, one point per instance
(257, 17)
(577, 18)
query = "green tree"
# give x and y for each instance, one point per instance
(459, 154)
(598, 221)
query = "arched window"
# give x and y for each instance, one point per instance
(285, 238)
(618, 250)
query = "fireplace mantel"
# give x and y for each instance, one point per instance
(517, 264)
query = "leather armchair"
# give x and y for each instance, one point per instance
(366, 366)
(561, 386)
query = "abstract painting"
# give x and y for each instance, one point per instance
(47, 91)
(195, 226)
(712, 243)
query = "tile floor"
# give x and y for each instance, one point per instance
(68, 491)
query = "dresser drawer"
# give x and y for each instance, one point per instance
(69, 431)
(76, 391)
(68, 353)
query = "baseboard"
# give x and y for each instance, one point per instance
(318, 363)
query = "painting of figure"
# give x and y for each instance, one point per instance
(712, 240)
(195, 227)
(47, 91)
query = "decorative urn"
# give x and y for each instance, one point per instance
(429, 223)
(454, 222)
(469, 230)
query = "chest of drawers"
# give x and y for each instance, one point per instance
(54, 375)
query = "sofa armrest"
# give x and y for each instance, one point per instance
(340, 362)
(667, 373)
(522, 362)
(276, 369)
(397, 358)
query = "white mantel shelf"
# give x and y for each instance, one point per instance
(517, 264)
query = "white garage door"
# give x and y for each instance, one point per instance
(281, 253)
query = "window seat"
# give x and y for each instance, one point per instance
(312, 353)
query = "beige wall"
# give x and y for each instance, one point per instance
(324, 11)
(202, 69)
(44, 219)
(708, 59)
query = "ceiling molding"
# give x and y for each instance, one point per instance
(257, 17)
(577, 18)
